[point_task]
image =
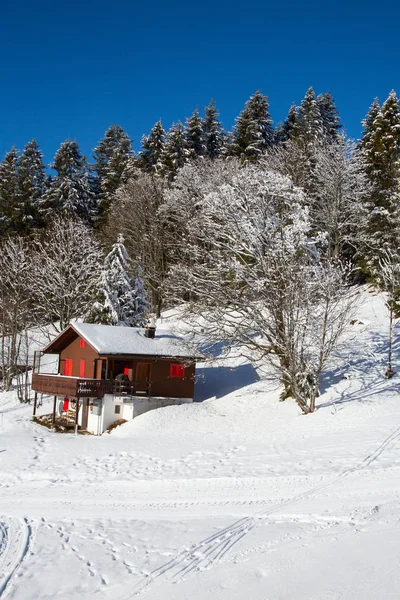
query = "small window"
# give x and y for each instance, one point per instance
(82, 343)
(117, 409)
(176, 370)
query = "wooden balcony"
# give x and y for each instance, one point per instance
(73, 387)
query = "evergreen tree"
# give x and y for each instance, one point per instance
(150, 158)
(214, 135)
(10, 194)
(285, 131)
(330, 116)
(194, 136)
(308, 130)
(32, 181)
(69, 193)
(368, 126)
(175, 153)
(111, 155)
(117, 302)
(381, 156)
(253, 133)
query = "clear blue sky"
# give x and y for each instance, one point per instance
(71, 68)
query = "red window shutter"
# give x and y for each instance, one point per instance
(68, 367)
(126, 370)
(176, 370)
(65, 405)
(82, 343)
(82, 368)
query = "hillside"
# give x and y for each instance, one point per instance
(237, 496)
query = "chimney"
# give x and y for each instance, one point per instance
(150, 330)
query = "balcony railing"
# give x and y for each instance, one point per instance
(60, 385)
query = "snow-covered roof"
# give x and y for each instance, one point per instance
(108, 339)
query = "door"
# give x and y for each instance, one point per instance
(143, 374)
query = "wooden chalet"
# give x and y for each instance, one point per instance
(105, 373)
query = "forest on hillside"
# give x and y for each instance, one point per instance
(259, 230)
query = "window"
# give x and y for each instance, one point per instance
(117, 409)
(176, 370)
(68, 367)
(82, 343)
(82, 368)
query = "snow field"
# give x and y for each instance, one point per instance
(239, 496)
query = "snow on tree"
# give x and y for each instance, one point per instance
(139, 200)
(150, 158)
(253, 133)
(10, 193)
(70, 192)
(194, 136)
(381, 156)
(142, 306)
(16, 310)
(32, 181)
(284, 132)
(254, 275)
(112, 155)
(214, 135)
(117, 302)
(175, 153)
(330, 116)
(65, 265)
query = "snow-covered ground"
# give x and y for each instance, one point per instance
(238, 496)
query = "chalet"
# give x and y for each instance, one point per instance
(104, 373)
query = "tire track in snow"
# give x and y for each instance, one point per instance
(212, 549)
(15, 542)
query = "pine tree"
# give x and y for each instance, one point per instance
(175, 154)
(70, 193)
(285, 132)
(381, 156)
(10, 194)
(111, 155)
(150, 158)
(32, 181)
(116, 303)
(214, 135)
(309, 127)
(253, 133)
(330, 116)
(194, 136)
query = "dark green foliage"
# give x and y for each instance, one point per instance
(33, 184)
(10, 194)
(214, 135)
(330, 116)
(285, 130)
(150, 158)
(253, 133)
(194, 136)
(70, 193)
(175, 153)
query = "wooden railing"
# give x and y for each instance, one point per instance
(60, 385)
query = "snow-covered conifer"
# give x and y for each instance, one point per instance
(175, 153)
(116, 301)
(10, 193)
(194, 136)
(214, 135)
(150, 158)
(330, 116)
(70, 193)
(32, 179)
(253, 133)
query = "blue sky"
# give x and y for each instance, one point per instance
(70, 69)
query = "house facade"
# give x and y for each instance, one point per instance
(101, 373)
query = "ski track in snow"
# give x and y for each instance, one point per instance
(15, 542)
(211, 550)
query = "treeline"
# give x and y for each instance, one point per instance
(258, 232)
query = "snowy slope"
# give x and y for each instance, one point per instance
(238, 496)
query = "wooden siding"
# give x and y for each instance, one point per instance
(74, 352)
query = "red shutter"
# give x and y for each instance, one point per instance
(126, 371)
(82, 368)
(176, 370)
(65, 404)
(82, 343)
(68, 367)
